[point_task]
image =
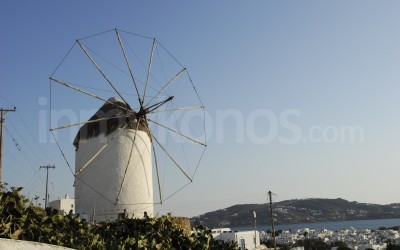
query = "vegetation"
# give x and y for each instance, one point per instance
(390, 246)
(21, 220)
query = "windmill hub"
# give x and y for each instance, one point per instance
(142, 112)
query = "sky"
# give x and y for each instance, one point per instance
(301, 97)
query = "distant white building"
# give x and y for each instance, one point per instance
(65, 205)
(245, 239)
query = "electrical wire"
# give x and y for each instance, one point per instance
(28, 186)
(35, 155)
(22, 152)
(6, 100)
(32, 137)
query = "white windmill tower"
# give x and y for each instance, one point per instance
(120, 147)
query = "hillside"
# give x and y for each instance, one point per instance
(298, 211)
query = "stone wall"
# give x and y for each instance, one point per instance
(27, 245)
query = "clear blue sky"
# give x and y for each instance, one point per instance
(331, 65)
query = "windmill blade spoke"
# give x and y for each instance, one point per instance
(92, 159)
(171, 158)
(166, 86)
(87, 122)
(156, 162)
(177, 109)
(149, 70)
(100, 70)
(157, 172)
(127, 165)
(62, 152)
(177, 132)
(94, 189)
(99, 151)
(69, 85)
(129, 66)
(198, 163)
(157, 105)
(177, 191)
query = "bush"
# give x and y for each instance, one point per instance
(21, 220)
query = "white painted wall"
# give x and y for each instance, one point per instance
(64, 205)
(245, 237)
(103, 177)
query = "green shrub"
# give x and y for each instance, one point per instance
(21, 220)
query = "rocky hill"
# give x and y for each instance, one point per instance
(297, 211)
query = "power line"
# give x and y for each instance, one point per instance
(13, 139)
(28, 146)
(33, 184)
(20, 150)
(19, 163)
(32, 137)
(6, 101)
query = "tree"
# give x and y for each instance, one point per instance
(390, 246)
(315, 244)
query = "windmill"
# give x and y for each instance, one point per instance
(145, 142)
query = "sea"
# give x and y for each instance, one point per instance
(333, 225)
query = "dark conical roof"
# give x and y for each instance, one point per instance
(116, 114)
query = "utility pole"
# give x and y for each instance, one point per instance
(255, 229)
(2, 120)
(47, 182)
(93, 214)
(272, 218)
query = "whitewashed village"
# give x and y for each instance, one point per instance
(360, 239)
